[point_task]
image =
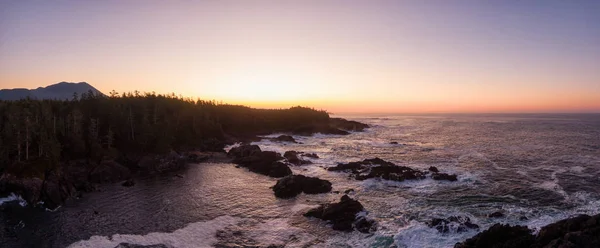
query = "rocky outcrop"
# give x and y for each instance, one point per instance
(262, 162)
(347, 125)
(292, 185)
(500, 236)
(580, 231)
(453, 223)
(292, 158)
(343, 215)
(379, 168)
(244, 151)
(443, 176)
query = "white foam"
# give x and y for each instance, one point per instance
(199, 234)
(13, 197)
(280, 232)
(419, 235)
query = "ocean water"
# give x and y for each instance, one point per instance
(542, 167)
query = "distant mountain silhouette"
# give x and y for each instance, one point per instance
(59, 91)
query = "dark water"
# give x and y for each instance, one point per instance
(543, 167)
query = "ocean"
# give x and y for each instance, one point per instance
(534, 168)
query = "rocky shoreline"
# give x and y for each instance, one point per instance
(74, 178)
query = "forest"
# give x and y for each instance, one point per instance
(41, 134)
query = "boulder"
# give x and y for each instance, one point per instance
(284, 138)
(393, 143)
(453, 223)
(500, 236)
(292, 158)
(293, 185)
(379, 168)
(434, 169)
(444, 176)
(342, 215)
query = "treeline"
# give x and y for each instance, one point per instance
(96, 127)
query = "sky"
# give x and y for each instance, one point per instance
(342, 56)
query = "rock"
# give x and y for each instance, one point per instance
(364, 225)
(347, 125)
(96, 212)
(500, 236)
(444, 176)
(179, 175)
(310, 155)
(128, 183)
(292, 157)
(523, 218)
(293, 185)
(433, 169)
(348, 191)
(127, 245)
(578, 231)
(393, 143)
(496, 215)
(378, 168)
(454, 223)
(341, 214)
(285, 138)
(244, 151)
(262, 162)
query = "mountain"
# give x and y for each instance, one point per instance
(59, 91)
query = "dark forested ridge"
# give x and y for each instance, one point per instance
(95, 138)
(59, 91)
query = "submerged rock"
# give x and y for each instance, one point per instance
(343, 215)
(293, 185)
(454, 223)
(292, 158)
(393, 143)
(496, 214)
(310, 155)
(284, 138)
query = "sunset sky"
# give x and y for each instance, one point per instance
(343, 56)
